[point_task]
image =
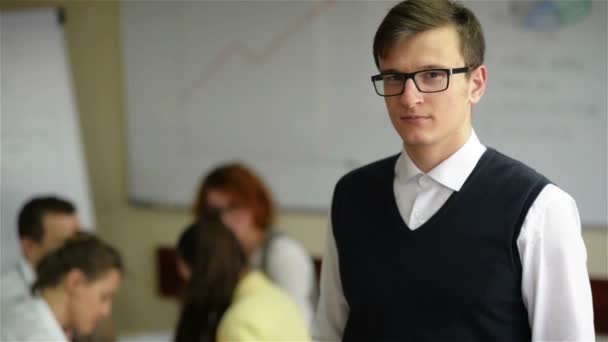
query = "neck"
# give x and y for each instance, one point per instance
(56, 300)
(255, 241)
(31, 260)
(427, 157)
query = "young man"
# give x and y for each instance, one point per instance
(449, 240)
(44, 223)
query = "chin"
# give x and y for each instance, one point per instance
(86, 330)
(416, 140)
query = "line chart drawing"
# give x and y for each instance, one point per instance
(238, 48)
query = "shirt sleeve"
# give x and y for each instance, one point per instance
(332, 310)
(291, 268)
(555, 282)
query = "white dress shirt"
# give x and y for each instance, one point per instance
(16, 282)
(555, 283)
(30, 319)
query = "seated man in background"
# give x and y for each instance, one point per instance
(44, 223)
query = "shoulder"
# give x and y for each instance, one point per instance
(360, 181)
(284, 246)
(10, 274)
(27, 320)
(14, 286)
(553, 219)
(258, 295)
(553, 208)
(372, 170)
(554, 196)
(262, 312)
(514, 168)
(286, 256)
(241, 320)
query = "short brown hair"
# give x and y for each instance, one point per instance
(414, 16)
(82, 251)
(244, 185)
(30, 220)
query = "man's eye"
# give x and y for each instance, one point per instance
(393, 78)
(431, 74)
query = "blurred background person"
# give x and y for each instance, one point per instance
(224, 300)
(73, 291)
(43, 224)
(238, 197)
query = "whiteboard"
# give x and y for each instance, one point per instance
(284, 87)
(41, 149)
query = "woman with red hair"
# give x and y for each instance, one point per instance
(235, 195)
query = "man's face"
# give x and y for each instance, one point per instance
(91, 301)
(437, 120)
(57, 228)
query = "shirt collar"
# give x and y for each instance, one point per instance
(51, 321)
(452, 172)
(27, 271)
(405, 169)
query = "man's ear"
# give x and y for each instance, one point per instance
(477, 82)
(74, 280)
(30, 248)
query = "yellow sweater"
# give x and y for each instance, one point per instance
(260, 311)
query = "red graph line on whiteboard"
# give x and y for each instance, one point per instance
(239, 49)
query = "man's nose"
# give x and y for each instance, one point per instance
(411, 95)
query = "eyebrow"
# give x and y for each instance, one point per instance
(424, 67)
(390, 71)
(433, 66)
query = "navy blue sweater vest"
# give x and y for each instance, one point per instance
(455, 278)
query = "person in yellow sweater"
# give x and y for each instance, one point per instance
(223, 300)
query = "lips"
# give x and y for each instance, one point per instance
(415, 119)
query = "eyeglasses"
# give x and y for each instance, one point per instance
(426, 81)
(216, 213)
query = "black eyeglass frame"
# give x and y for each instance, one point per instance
(216, 213)
(412, 75)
